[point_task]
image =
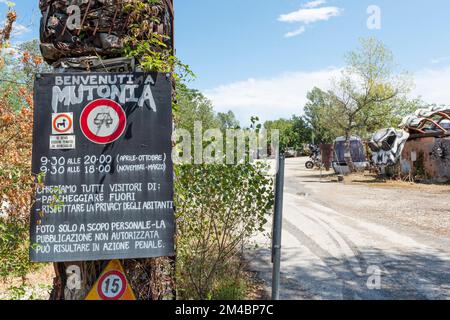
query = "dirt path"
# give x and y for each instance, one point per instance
(339, 237)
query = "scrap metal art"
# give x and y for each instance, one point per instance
(433, 121)
(441, 152)
(85, 34)
(430, 121)
(387, 146)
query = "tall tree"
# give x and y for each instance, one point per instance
(294, 132)
(228, 120)
(366, 95)
(316, 116)
(193, 106)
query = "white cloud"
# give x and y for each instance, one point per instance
(20, 29)
(285, 94)
(440, 60)
(433, 85)
(314, 4)
(308, 16)
(270, 98)
(295, 32)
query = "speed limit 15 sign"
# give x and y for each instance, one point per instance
(112, 284)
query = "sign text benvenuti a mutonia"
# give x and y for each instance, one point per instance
(102, 143)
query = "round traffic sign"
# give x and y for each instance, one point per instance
(103, 121)
(62, 123)
(112, 285)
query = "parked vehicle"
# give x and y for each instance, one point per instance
(314, 158)
(357, 151)
(290, 153)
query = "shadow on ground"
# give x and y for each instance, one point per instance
(407, 275)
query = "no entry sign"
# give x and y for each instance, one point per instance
(102, 143)
(103, 121)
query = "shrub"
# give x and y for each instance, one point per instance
(218, 207)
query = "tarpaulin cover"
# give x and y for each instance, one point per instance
(356, 149)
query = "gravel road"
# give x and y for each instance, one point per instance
(360, 240)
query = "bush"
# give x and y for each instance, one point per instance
(16, 180)
(218, 208)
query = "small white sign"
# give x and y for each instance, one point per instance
(413, 156)
(62, 123)
(62, 142)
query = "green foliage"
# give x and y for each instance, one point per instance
(218, 208)
(17, 70)
(14, 244)
(316, 117)
(193, 106)
(231, 286)
(27, 292)
(368, 96)
(152, 50)
(293, 132)
(228, 120)
(30, 64)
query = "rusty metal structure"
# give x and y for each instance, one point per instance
(87, 34)
(427, 152)
(422, 148)
(432, 121)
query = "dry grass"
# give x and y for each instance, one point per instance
(257, 289)
(371, 180)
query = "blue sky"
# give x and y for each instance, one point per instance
(246, 61)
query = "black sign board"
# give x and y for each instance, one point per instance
(102, 147)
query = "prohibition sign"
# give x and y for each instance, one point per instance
(62, 123)
(112, 285)
(103, 121)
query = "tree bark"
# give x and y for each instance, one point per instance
(348, 154)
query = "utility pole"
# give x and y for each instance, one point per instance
(277, 228)
(88, 37)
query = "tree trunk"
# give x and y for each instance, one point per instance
(150, 279)
(348, 154)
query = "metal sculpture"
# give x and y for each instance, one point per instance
(387, 146)
(86, 34)
(433, 120)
